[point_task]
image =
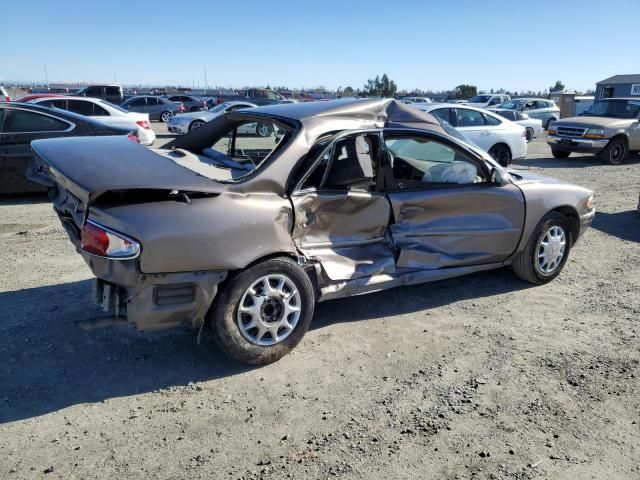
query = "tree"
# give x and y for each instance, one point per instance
(348, 92)
(464, 92)
(558, 87)
(380, 87)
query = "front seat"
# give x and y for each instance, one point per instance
(352, 164)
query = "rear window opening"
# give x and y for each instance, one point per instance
(232, 148)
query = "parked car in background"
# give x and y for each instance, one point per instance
(4, 96)
(488, 100)
(243, 236)
(533, 126)
(191, 103)
(20, 123)
(104, 112)
(544, 110)
(417, 100)
(186, 122)
(34, 96)
(504, 140)
(259, 96)
(609, 129)
(110, 93)
(158, 108)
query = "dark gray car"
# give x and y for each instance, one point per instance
(244, 234)
(191, 103)
(158, 108)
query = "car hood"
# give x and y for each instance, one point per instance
(91, 166)
(523, 177)
(605, 122)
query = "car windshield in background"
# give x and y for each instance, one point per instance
(512, 104)
(218, 108)
(615, 108)
(480, 99)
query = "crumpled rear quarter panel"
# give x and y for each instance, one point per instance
(224, 232)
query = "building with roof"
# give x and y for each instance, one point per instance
(619, 86)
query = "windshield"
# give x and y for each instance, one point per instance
(512, 104)
(218, 108)
(615, 108)
(480, 99)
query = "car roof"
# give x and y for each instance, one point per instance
(637, 99)
(65, 114)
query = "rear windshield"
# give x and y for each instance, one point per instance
(115, 107)
(232, 147)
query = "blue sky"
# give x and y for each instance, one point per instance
(429, 45)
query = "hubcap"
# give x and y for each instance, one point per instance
(550, 251)
(263, 130)
(196, 125)
(166, 116)
(269, 310)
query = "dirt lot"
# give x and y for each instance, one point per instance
(477, 377)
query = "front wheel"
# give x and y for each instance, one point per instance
(529, 133)
(546, 252)
(501, 154)
(560, 154)
(615, 152)
(195, 124)
(262, 313)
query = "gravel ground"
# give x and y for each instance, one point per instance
(477, 377)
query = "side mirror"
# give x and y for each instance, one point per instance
(496, 177)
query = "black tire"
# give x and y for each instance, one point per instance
(165, 116)
(529, 134)
(561, 154)
(615, 152)
(195, 124)
(549, 122)
(525, 264)
(222, 317)
(264, 130)
(501, 154)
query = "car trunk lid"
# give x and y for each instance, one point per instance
(89, 167)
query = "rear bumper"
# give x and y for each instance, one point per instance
(583, 145)
(155, 301)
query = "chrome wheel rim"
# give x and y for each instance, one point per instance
(195, 125)
(166, 116)
(269, 310)
(550, 251)
(264, 130)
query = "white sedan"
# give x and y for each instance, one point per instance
(533, 126)
(186, 122)
(104, 112)
(503, 139)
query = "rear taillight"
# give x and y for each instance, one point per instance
(103, 242)
(218, 100)
(7, 98)
(181, 108)
(143, 124)
(133, 137)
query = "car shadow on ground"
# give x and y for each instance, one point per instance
(582, 161)
(623, 225)
(47, 362)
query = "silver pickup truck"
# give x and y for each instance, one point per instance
(609, 129)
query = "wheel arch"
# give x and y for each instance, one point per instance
(571, 214)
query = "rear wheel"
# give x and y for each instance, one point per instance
(615, 152)
(560, 154)
(262, 313)
(501, 154)
(529, 133)
(546, 252)
(549, 122)
(264, 129)
(166, 116)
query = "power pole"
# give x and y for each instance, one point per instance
(206, 85)
(46, 76)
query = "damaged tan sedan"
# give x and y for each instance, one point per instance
(243, 234)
